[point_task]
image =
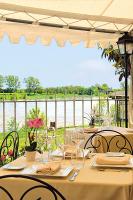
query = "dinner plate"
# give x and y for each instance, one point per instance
(58, 153)
(63, 172)
(94, 164)
(11, 166)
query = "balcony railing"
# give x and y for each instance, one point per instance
(66, 112)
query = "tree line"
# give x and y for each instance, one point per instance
(12, 83)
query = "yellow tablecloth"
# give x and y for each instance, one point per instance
(90, 184)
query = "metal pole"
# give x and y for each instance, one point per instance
(126, 87)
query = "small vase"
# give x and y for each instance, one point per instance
(30, 156)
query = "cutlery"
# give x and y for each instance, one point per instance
(113, 170)
(72, 178)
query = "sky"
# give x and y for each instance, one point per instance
(55, 66)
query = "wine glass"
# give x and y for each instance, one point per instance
(107, 121)
(59, 141)
(78, 159)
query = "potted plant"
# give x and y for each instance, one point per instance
(31, 151)
(33, 125)
(91, 118)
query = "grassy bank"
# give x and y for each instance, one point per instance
(44, 96)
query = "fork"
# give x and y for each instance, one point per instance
(73, 177)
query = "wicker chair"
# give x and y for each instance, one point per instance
(38, 188)
(116, 140)
(9, 148)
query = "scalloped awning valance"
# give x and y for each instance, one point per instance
(90, 21)
(46, 34)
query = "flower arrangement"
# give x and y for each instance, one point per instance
(33, 125)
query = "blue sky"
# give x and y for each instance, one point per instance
(55, 66)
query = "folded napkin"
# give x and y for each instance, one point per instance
(90, 130)
(49, 168)
(104, 160)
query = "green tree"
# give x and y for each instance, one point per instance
(113, 56)
(32, 84)
(12, 82)
(1, 82)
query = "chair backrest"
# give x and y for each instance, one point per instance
(34, 185)
(107, 141)
(9, 148)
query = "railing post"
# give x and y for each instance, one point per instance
(99, 99)
(91, 101)
(26, 118)
(83, 111)
(3, 117)
(107, 103)
(74, 111)
(46, 111)
(65, 114)
(115, 110)
(36, 106)
(15, 114)
(55, 113)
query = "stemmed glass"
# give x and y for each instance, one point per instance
(45, 147)
(40, 145)
(78, 159)
(77, 136)
(107, 121)
(59, 141)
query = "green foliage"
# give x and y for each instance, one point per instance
(113, 55)
(12, 96)
(78, 90)
(1, 82)
(12, 82)
(32, 84)
(11, 125)
(59, 93)
(36, 113)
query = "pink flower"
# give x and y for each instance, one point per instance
(10, 152)
(30, 123)
(38, 123)
(35, 123)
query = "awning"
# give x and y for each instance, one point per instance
(66, 20)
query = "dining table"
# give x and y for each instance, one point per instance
(91, 183)
(116, 141)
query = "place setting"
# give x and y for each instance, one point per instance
(112, 160)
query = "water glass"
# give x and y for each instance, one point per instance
(45, 157)
(78, 159)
